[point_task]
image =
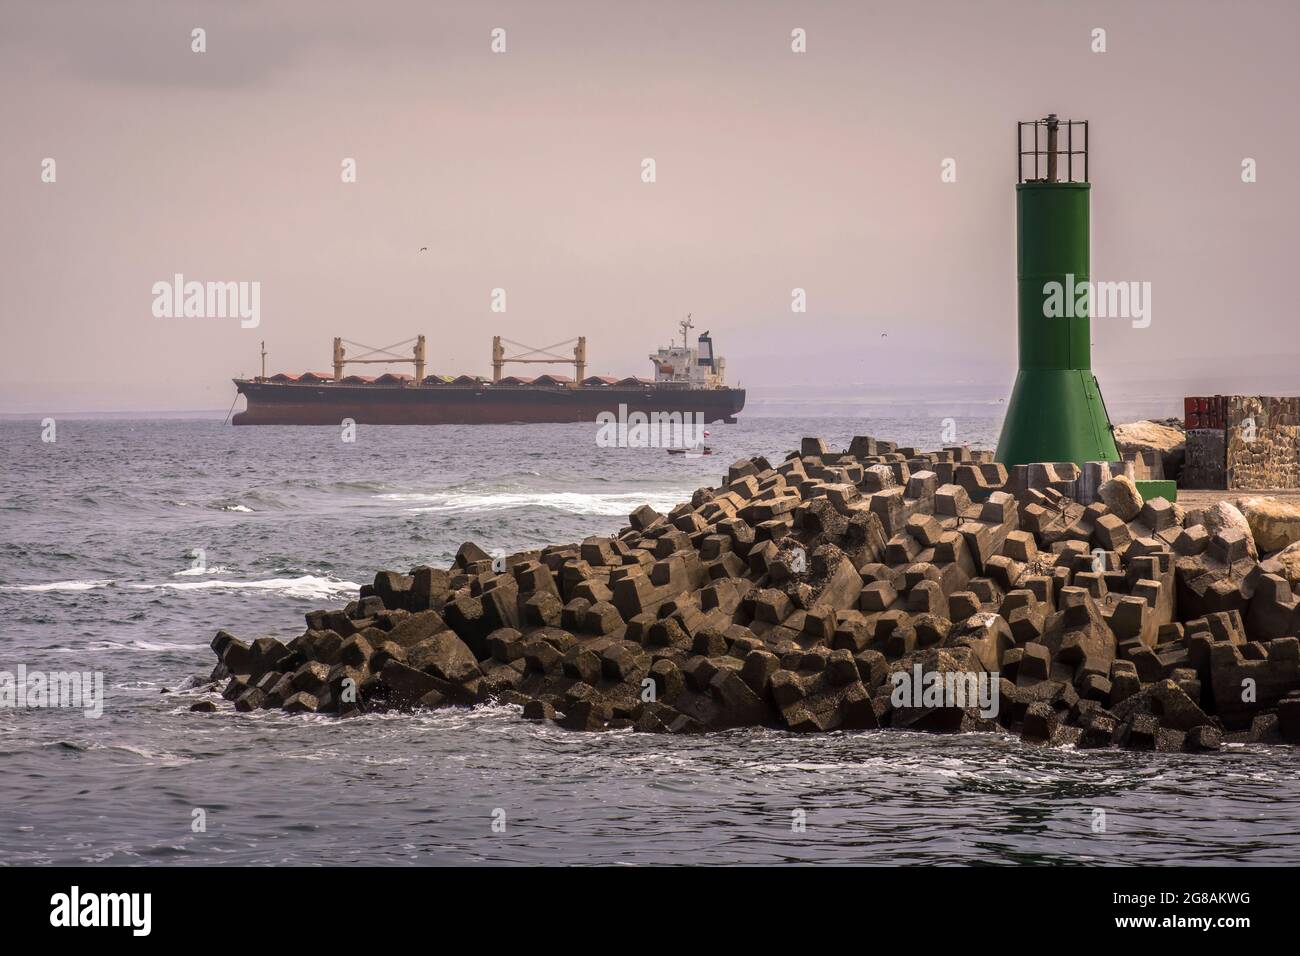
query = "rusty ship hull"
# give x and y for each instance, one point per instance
(294, 403)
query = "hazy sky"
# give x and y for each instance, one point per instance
(522, 171)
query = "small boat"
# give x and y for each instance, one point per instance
(705, 450)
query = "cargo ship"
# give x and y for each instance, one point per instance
(688, 380)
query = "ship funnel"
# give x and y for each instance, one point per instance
(1056, 412)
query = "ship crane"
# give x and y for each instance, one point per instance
(390, 357)
(579, 360)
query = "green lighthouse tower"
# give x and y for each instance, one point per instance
(1056, 412)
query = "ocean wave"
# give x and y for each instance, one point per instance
(197, 572)
(192, 682)
(356, 485)
(571, 502)
(59, 586)
(307, 586)
(152, 646)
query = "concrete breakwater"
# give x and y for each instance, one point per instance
(876, 587)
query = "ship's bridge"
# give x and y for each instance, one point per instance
(692, 366)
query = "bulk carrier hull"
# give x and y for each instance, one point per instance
(282, 403)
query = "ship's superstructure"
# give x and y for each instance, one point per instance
(697, 367)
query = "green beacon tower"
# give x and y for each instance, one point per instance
(1056, 412)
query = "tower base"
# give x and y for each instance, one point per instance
(1056, 415)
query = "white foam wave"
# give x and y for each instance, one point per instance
(572, 502)
(143, 646)
(241, 508)
(307, 586)
(192, 682)
(197, 572)
(59, 586)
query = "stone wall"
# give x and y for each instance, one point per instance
(1267, 456)
(1256, 446)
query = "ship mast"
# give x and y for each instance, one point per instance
(686, 325)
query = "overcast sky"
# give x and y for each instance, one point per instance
(522, 171)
